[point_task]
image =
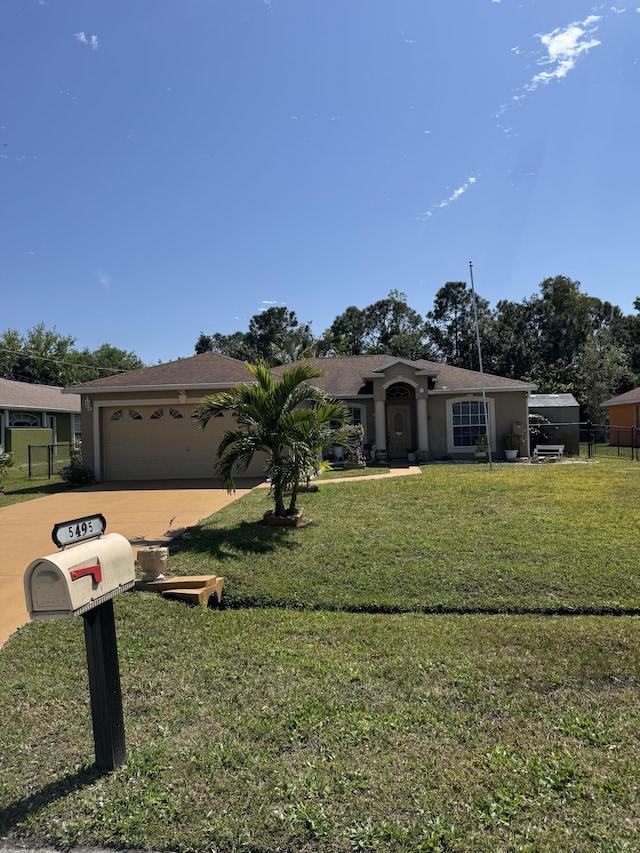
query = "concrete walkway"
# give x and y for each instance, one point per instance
(145, 513)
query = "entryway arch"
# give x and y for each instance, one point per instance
(401, 420)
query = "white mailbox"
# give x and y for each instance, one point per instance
(79, 578)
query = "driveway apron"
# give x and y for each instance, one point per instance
(145, 513)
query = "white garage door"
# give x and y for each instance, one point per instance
(161, 443)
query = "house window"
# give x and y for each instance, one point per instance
(22, 419)
(468, 423)
(398, 392)
(77, 428)
(355, 417)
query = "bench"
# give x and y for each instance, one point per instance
(549, 450)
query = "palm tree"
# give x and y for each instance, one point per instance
(286, 418)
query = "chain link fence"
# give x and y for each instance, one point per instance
(588, 439)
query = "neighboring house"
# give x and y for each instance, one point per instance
(624, 418)
(36, 415)
(563, 413)
(139, 425)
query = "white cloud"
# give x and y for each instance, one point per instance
(267, 302)
(447, 201)
(91, 41)
(563, 47)
(103, 279)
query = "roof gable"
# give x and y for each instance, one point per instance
(632, 396)
(199, 371)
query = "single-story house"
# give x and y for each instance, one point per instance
(624, 418)
(139, 425)
(37, 415)
(563, 413)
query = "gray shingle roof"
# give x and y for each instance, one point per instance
(343, 376)
(551, 401)
(198, 371)
(24, 395)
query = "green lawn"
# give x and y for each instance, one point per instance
(18, 486)
(308, 728)
(547, 538)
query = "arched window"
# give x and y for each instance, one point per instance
(23, 419)
(157, 415)
(399, 392)
(134, 415)
(117, 416)
(174, 413)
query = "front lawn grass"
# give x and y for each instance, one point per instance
(546, 538)
(307, 728)
(18, 487)
(266, 730)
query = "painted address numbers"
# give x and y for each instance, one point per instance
(78, 529)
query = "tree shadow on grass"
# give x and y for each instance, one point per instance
(17, 812)
(48, 489)
(248, 537)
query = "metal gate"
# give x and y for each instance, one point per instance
(45, 460)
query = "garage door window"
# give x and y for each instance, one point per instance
(175, 414)
(116, 416)
(159, 413)
(135, 415)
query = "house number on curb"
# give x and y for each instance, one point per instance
(79, 529)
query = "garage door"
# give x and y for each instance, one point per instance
(161, 443)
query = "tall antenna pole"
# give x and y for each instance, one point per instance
(484, 396)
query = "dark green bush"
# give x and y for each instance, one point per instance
(77, 475)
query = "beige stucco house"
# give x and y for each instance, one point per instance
(139, 425)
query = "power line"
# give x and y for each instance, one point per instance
(36, 356)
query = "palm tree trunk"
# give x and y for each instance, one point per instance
(292, 502)
(278, 495)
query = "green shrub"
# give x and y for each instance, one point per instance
(77, 472)
(6, 461)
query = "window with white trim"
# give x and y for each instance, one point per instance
(355, 415)
(468, 422)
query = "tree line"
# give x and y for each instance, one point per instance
(560, 339)
(44, 356)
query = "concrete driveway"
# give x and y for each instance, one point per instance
(146, 513)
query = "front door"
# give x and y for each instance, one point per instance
(398, 429)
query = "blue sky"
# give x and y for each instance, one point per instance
(175, 166)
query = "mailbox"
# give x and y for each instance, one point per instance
(73, 581)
